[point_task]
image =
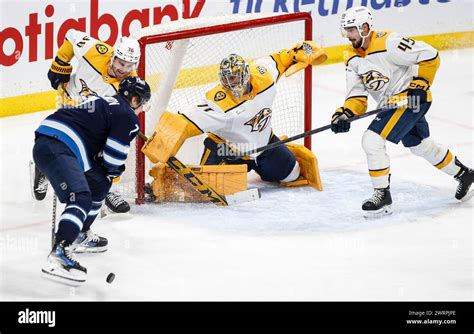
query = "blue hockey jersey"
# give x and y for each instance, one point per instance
(99, 129)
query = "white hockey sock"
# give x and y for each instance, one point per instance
(378, 160)
(294, 174)
(437, 155)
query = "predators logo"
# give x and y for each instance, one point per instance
(86, 91)
(374, 80)
(260, 121)
(101, 48)
(219, 96)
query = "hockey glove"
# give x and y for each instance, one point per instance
(59, 72)
(116, 172)
(340, 122)
(418, 92)
(113, 174)
(304, 54)
(416, 95)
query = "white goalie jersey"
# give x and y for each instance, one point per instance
(244, 124)
(386, 68)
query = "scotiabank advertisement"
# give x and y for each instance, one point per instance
(31, 31)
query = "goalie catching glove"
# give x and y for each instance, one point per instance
(304, 54)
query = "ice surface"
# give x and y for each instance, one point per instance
(293, 244)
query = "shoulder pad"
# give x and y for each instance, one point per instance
(260, 78)
(221, 98)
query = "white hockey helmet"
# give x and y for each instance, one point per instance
(127, 49)
(356, 17)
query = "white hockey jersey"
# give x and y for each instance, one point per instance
(386, 68)
(244, 124)
(90, 76)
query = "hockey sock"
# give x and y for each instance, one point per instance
(92, 215)
(72, 219)
(378, 160)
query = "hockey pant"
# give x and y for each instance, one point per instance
(274, 165)
(403, 124)
(83, 192)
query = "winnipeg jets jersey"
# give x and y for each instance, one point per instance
(97, 128)
(244, 124)
(90, 76)
(386, 68)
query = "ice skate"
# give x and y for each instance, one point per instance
(89, 242)
(62, 267)
(464, 177)
(379, 204)
(116, 203)
(39, 182)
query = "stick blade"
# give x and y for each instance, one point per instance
(243, 196)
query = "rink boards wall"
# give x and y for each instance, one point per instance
(31, 31)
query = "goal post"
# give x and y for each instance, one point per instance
(180, 61)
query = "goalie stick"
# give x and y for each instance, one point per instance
(301, 135)
(198, 184)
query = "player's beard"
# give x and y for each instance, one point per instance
(357, 44)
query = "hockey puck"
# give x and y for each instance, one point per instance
(110, 278)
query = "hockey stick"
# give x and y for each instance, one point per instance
(53, 221)
(301, 135)
(198, 184)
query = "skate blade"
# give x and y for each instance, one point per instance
(83, 250)
(386, 210)
(106, 211)
(58, 278)
(32, 179)
(468, 196)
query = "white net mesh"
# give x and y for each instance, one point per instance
(180, 71)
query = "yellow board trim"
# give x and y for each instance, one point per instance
(378, 173)
(392, 121)
(28, 103)
(446, 161)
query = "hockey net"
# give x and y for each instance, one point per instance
(180, 61)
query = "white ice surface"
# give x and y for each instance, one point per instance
(293, 244)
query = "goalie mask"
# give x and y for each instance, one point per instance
(234, 75)
(356, 17)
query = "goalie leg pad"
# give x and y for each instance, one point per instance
(168, 186)
(308, 164)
